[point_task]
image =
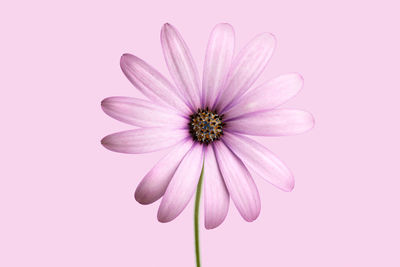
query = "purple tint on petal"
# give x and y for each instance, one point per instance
(181, 65)
(217, 62)
(151, 83)
(261, 161)
(267, 96)
(276, 122)
(142, 113)
(216, 196)
(239, 182)
(153, 185)
(246, 68)
(144, 140)
(182, 186)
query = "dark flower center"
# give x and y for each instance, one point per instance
(206, 126)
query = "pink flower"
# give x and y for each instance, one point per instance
(207, 122)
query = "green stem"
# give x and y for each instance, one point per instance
(196, 218)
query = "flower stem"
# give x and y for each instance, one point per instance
(196, 218)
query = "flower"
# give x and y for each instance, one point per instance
(207, 123)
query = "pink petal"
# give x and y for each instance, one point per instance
(267, 96)
(260, 160)
(182, 185)
(218, 60)
(151, 83)
(276, 122)
(246, 68)
(143, 140)
(153, 185)
(240, 185)
(216, 196)
(142, 113)
(181, 65)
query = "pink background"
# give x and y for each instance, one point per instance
(67, 201)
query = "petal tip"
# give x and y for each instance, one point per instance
(210, 226)
(124, 58)
(224, 25)
(108, 143)
(267, 36)
(127, 59)
(306, 122)
(301, 78)
(163, 218)
(142, 200)
(123, 62)
(167, 27)
(290, 182)
(104, 142)
(296, 77)
(251, 217)
(312, 121)
(105, 103)
(290, 186)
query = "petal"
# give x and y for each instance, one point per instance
(246, 68)
(238, 180)
(218, 60)
(260, 160)
(182, 186)
(142, 113)
(151, 83)
(181, 65)
(153, 185)
(216, 196)
(276, 122)
(143, 140)
(267, 96)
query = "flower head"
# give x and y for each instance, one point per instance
(207, 123)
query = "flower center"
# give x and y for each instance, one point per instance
(206, 126)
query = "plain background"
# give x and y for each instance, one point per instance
(67, 201)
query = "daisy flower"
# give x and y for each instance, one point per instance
(206, 124)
